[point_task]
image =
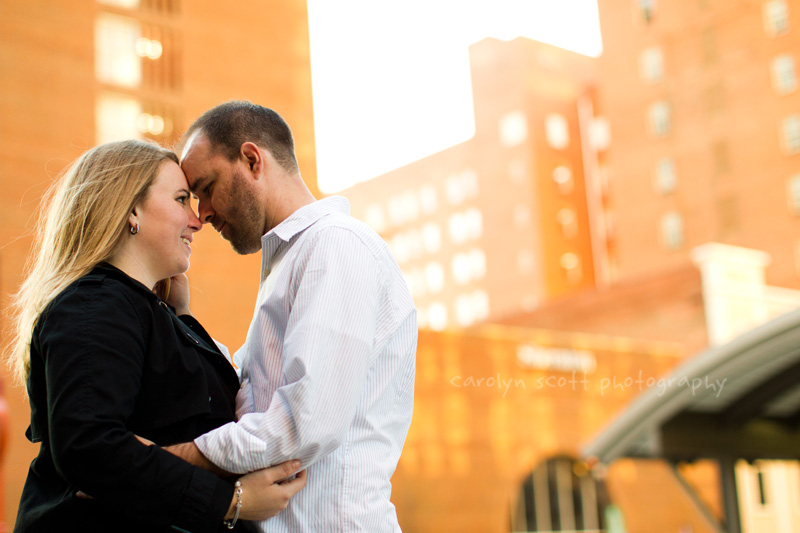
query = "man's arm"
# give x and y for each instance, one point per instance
(189, 452)
(326, 354)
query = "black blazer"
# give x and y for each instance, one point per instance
(110, 360)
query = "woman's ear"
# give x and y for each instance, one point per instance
(133, 222)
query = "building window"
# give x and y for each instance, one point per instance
(403, 208)
(116, 60)
(563, 177)
(601, 133)
(469, 266)
(571, 264)
(149, 48)
(124, 4)
(434, 277)
(776, 17)
(672, 230)
(464, 314)
(480, 304)
(431, 237)
(569, 223)
(428, 200)
(660, 119)
(793, 194)
(561, 494)
(666, 179)
(646, 9)
(784, 77)
(117, 118)
(791, 134)
(374, 218)
(513, 129)
(462, 186)
(437, 316)
(525, 261)
(557, 131)
(466, 226)
(651, 65)
(400, 249)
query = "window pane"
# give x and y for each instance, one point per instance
(116, 60)
(513, 129)
(660, 120)
(793, 193)
(116, 118)
(791, 134)
(651, 64)
(126, 4)
(557, 131)
(784, 79)
(665, 176)
(672, 230)
(776, 17)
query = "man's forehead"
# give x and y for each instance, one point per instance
(193, 146)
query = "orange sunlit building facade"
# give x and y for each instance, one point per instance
(570, 218)
(684, 133)
(75, 74)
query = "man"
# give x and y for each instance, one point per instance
(327, 369)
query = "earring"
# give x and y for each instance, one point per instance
(134, 229)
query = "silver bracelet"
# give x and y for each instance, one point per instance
(237, 490)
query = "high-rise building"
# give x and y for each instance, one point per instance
(500, 223)
(75, 74)
(702, 102)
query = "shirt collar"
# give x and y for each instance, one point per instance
(295, 224)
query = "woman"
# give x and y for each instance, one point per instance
(106, 360)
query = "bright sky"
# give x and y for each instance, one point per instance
(391, 77)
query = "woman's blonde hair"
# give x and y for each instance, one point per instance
(83, 220)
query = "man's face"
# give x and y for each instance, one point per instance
(226, 194)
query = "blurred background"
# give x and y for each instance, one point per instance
(601, 236)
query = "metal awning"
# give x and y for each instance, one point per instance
(741, 399)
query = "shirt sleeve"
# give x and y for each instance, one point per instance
(93, 347)
(337, 284)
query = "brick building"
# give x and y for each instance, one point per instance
(74, 74)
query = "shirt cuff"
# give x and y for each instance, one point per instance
(233, 449)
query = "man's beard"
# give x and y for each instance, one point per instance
(246, 229)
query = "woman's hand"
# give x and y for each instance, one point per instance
(175, 291)
(266, 492)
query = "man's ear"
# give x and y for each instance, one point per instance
(252, 156)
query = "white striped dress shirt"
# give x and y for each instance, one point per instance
(327, 372)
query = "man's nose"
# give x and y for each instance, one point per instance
(205, 211)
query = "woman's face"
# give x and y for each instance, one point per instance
(167, 224)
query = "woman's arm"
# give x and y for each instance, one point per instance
(93, 346)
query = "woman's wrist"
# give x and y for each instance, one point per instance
(232, 516)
